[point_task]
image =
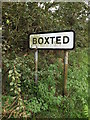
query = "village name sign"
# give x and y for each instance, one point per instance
(57, 40)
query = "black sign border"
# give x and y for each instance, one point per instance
(53, 48)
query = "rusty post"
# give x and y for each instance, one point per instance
(36, 65)
(65, 71)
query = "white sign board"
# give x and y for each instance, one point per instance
(56, 40)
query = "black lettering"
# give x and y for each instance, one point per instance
(58, 40)
(52, 39)
(64, 39)
(46, 40)
(40, 40)
(34, 40)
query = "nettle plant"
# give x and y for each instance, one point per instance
(77, 84)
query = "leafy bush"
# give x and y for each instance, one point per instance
(30, 99)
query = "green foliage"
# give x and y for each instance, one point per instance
(15, 81)
(22, 97)
(40, 97)
(47, 95)
(21, 19)
(86, 111)
(78, 83)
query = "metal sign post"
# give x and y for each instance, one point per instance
(65, 71)
(36, 65)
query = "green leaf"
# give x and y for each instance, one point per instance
(11, 89)
(7, 21)
(10, 71)
(11, 83)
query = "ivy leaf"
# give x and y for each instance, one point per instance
(7, 21)
(10, 71)
(11, 83)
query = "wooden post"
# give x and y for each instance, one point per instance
(65, 71)
(36, 65)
